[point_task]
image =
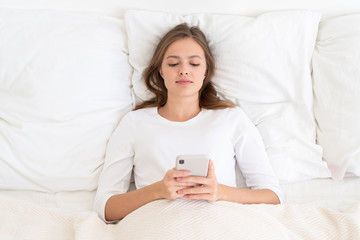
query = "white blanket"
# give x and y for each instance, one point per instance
(183, 219)
(20, 220)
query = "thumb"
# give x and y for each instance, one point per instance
(211, 169)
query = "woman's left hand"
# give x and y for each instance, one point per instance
(207, 188)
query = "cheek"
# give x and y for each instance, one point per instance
(166, 72)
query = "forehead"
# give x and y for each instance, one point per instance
(185, 47)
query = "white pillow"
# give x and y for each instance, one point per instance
(64, 85)
(336, 64)
(263, 64)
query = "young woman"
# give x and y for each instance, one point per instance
(184, 117)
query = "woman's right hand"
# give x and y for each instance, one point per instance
(120, 205)
(171, 184)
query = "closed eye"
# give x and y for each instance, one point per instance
(195, 64)
(172, 64)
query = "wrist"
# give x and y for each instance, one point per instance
(221, 192)
(156, 190)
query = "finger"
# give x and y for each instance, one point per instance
(181, 180)
(211, 169)
(185, 185)
(204, 196)
(179, 173)
(194, 190)
(194, 179)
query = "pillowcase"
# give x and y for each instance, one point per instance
(64, 85)
(263, 64)
(336, 75)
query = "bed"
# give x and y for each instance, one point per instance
(69, 71)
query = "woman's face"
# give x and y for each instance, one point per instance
(184, 68)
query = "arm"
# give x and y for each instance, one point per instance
(211, 190)
(248, 196)
(120, 205)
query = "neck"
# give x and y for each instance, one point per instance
(180, 110)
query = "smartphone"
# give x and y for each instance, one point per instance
(197, 164)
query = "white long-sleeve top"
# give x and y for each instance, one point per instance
(150, 143)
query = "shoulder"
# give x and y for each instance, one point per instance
(235, 111)
(232, 114)
(234, 117)
(237, 119)
(131, 120)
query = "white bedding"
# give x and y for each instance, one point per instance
(183, 219)
(335, 195)
(21, 220)
(316, 209)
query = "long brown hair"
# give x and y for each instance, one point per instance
(155, 83)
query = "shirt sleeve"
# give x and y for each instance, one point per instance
(116, 173)
(253, 161)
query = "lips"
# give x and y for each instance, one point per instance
(184, 82)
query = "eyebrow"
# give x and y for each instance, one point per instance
(177, 57)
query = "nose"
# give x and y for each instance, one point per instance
(184, 71)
